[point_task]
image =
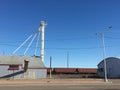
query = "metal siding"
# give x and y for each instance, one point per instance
(35, 73)
(113, 68)
(101, 73)
(29, 74)
(112, 65)
(34, 62)
(16, 76)
(4, 70)
(41, 73)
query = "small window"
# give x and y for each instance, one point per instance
(13, 67)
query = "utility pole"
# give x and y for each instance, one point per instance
(104, 56)
(50, 67)
(67, 59)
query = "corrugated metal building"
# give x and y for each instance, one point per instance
(112, 67)
(22, 67)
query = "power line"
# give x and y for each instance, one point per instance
(111, 37)
(62, 39)
(62, 48)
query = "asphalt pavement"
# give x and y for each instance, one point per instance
(58, 84)
(61, 87)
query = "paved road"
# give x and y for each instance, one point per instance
(61, 87)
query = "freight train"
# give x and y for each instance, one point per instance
(72, 70)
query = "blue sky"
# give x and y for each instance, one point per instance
(73, 26)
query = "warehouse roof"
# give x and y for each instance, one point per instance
(109, 58)
(34, 61)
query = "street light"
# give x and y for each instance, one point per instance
(104, 55)
(50, 67)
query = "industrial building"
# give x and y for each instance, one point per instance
(112, 67)
(26, 67)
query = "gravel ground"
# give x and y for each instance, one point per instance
(51, 81)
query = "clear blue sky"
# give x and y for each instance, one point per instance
(71, 27)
